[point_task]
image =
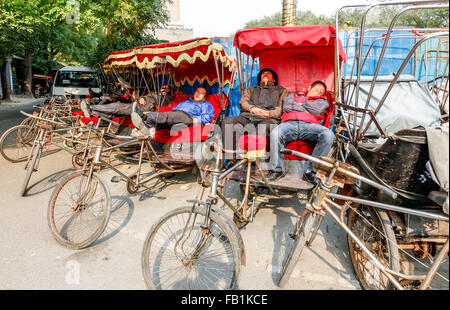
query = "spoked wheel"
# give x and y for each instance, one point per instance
(300, 239)
(16, 143)
(374, 229)
(79, 210)
(179, 254)
(29, 121)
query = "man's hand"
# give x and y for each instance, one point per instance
(260, 112)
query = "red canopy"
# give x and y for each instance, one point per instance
(255, 40)
(300, 55)
(189, 60)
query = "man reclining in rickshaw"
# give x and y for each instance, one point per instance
(149, 102)
(301, 120)
(194, 111)
(261, 108)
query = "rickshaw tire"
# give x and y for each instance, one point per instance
(222, 221)
(297, 248)
(393, 252)
(2, 141)
(107, 212)
(30, 169)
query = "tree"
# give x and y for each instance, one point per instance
(351, 17)
(72, 30)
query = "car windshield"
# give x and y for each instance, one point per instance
(76, 79)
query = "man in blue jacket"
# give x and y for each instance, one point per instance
(194, 111)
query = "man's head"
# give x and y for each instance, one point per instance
(200, 94)
(266, 76)
(317, 89)
(165, 90)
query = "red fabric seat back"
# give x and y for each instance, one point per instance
(214, 99)
(193, 133)
(252, 143)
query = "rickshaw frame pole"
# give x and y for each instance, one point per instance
(358, 55)
(400, 70)
(383, 50)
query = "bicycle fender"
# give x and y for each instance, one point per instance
(236, 231)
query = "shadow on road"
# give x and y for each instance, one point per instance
(48, 183)
(122, 209)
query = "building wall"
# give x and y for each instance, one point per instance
(175, 30)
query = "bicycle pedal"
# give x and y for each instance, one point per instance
(116, 179)
(262, 199)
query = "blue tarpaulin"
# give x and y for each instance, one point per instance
(421, 65)
(235, 94)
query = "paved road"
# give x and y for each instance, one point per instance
(9, 111)
(31, 259)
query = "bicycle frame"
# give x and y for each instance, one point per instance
(134, 181)
(322, 202)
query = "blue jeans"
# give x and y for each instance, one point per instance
(290, 131)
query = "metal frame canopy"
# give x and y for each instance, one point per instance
(300, 55)
(187, 61)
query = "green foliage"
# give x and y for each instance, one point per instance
(377, 17)
(75, 31)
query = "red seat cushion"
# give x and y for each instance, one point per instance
(87, 120)
(190, 134)
(305, 147)
(76, 113)
(252, 143)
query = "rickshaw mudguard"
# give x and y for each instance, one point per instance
(235, 230)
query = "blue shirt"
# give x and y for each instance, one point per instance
(203, 110)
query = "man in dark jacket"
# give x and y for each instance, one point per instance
(260, 110)
(148, 103)
(302, 120)
(194, 111)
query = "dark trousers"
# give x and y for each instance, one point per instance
(170, 118)
(235, 126)
(111, 110)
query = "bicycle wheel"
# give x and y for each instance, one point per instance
(30, 170)
(16, 143)
(299, 243)
(372, 227)
(29, 121)
(78, 212)
(172, 258)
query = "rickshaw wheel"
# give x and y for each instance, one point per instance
(16, 143)
(378, 236)
(179, 241)
(76, 226)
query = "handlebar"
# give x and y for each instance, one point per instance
(45, 120)
(345, 172)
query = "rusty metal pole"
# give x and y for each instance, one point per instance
(289, 16)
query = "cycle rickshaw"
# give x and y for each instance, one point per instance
(185, 65)
(202, 237)
(377, 205)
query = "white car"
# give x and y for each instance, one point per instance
(75, 80)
